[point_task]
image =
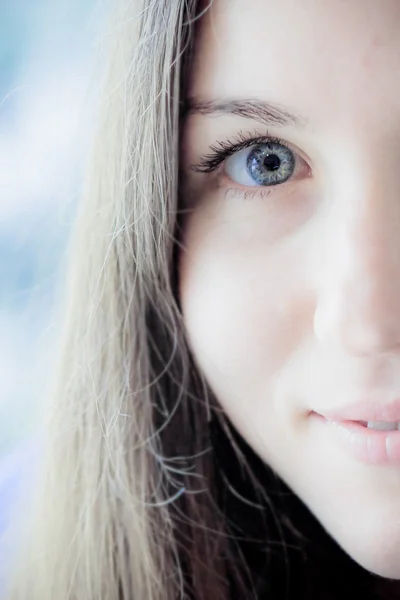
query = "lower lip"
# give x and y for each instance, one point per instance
(366, 445)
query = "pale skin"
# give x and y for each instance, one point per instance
(291, 293)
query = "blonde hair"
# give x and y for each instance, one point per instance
(126, 506)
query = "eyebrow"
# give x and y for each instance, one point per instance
(264, 112)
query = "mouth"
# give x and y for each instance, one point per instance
(375, 425)
(371, 442)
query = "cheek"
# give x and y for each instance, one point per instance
(244, 312)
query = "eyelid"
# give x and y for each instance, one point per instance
(222, 149)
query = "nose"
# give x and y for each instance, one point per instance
(358, 299)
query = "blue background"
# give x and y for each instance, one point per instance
(47, 89)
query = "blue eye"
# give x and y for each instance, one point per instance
(263, 164)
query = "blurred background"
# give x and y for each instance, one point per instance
(48, 84)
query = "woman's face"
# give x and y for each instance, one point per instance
(290, 282)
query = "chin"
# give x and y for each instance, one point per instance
(384, 566)
(378, 553)
(365, 523)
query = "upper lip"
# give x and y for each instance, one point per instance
(365, 410)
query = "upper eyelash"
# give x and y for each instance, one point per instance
(223, 149)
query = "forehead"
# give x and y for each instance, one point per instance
(333, 60)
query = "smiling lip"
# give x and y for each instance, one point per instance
(349, 430)
(365, 411)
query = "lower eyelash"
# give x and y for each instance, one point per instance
(249, 195)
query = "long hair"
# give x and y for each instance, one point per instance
(124, 507)
(135, 499)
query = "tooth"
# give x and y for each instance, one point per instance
(383, 425)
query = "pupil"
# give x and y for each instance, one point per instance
(272, 162)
